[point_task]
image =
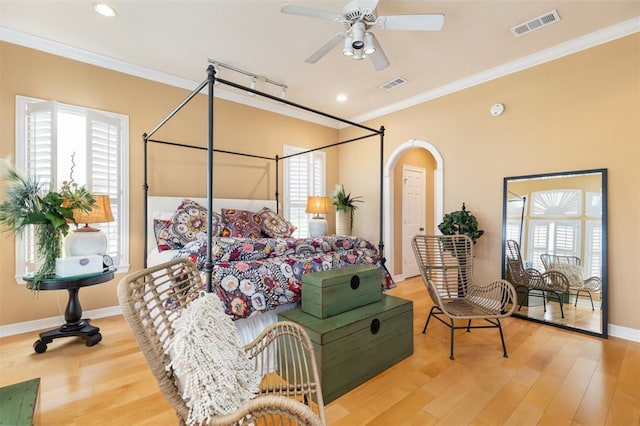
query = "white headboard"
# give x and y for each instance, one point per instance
(170, 205)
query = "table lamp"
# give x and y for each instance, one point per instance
(318, 224)
(88, 240)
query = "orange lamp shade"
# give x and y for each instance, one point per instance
(318, 205)
(100, 213)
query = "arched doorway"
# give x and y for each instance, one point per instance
(390, 196)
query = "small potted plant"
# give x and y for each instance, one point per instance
(461, 222)
(26, 202)
(345, 206)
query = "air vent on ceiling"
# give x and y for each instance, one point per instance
(536, 23)
(394, 83)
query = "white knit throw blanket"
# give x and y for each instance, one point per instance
(214, 372)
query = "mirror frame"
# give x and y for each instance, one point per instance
(605, 264)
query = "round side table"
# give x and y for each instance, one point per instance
(75, 325)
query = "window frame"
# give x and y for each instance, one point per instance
(316, 185)
(21, 147)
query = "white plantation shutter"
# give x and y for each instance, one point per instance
(103, 153)
(104, 169)
(41, 136)
(553, 237)
(593, 249)
(36, 126)
(304, 175)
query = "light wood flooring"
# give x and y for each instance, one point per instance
(552, 377)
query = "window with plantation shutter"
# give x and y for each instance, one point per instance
(561, 237)
(593, 249)
(57, 142)
(304, 175)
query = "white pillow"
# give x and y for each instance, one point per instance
(213, 372)
(572, 272)
(160, 215)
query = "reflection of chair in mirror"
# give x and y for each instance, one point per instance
(571, 267)
(155, 299)
(531, 279)
(445, 263)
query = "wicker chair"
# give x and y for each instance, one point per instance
(445, 264)
(290, 391)
(531, 279)
(581, 287)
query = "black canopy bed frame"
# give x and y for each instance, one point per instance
(210, 82)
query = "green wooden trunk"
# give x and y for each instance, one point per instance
(20, 403)
(336, 291)
(355, 346)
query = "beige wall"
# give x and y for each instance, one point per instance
(578, 112)
(173, 171)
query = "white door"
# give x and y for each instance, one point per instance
(413, 214)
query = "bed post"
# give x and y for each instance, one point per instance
(145, 204)
(208, 264)
(383, 260)
(277, 185)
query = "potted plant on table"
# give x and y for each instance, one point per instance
(345, 206)
(27, 202)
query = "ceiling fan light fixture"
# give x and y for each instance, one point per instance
(358, 35)
(348, 49)
(358, 54)
(369, 46)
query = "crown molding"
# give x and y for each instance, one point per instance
(588, 41)
(38, 43)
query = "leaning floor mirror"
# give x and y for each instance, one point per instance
(555, 248)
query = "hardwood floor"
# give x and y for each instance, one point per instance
(552, 377)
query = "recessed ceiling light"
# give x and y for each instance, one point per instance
(341, 97)
(104, 10)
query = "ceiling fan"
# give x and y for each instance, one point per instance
(358, 16)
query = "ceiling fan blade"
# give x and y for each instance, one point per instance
(426, 22)
(378, 58)
(324, 49)
(296, 9)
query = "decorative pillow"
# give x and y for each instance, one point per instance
(572, 272)
(241, 223)
(189, 223)
(213, 371)
(165, 240)
(274, 225)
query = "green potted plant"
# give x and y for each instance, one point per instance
(345, 206)
(26, 202)
(461, 222)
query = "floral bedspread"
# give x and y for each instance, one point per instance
(255, 275)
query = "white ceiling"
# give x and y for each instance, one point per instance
(178, 37)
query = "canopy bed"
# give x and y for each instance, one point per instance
(279, 255)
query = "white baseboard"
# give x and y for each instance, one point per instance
(53, 322)
(624, 332)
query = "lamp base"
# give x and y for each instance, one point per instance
(318, 226)
(82, 243)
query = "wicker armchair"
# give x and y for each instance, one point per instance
(445, 264)
(531, 279)
(584, 287)
(290, 391)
